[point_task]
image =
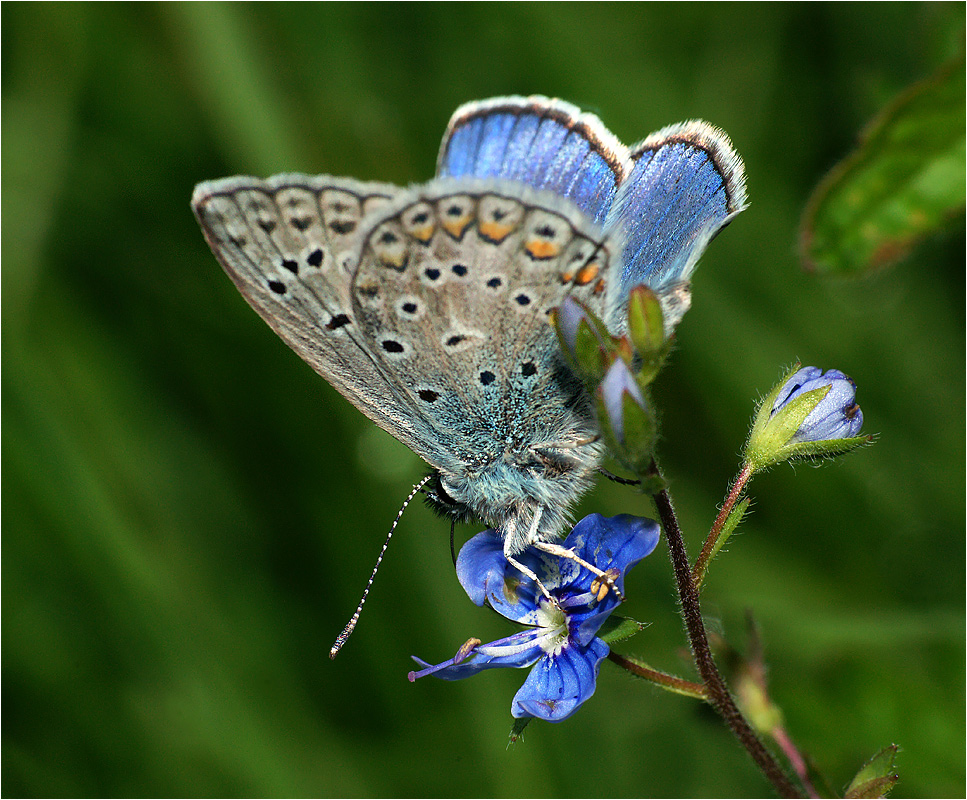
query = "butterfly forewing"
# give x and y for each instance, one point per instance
(686, 184)
(548, 144)
(287, 243)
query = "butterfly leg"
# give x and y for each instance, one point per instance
(526, 571)
(562, 552)
(529, 573)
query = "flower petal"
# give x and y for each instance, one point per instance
(480, 564)
(616, 543)
(794, 386)
(557, 685)
(610, 543)
(836, 416)
(485, 574)
(520, 650)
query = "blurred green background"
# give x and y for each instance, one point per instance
(190, 513)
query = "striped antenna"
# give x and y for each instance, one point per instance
(347, 631)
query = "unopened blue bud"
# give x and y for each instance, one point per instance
(585, 342)
(836, 416)
(810, 414)
(618, 381)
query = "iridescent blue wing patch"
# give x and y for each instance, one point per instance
(687, 183)
(547, 144)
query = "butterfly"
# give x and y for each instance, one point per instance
(428, 307)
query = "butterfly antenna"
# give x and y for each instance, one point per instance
(347, 631)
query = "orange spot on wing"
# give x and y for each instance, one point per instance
(541, 248)
(393, 258)
(422, 234)
(587, 273)
(495, 231)
(455, 226)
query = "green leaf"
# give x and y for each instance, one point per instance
(903, 183)
(617, 629)
(731, 523)
(877, 777)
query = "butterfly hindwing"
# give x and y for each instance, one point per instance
(664, 198)
(687, 183)
(454, 287)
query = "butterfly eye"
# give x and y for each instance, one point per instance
(441, 501)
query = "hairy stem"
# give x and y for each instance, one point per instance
(735, 492)
(717, 692)
(663, 679)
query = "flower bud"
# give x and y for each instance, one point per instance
(626, 420)
(810, 414)
(646, 330)
(584, 340)
(835, 416)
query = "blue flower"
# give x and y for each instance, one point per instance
(810, 414)
(560, 641)
(835, 416)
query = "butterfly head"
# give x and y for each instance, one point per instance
(443, 503)
(525, 495)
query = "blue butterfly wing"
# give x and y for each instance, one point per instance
(663, 200)
(685, 185)
(546, 144)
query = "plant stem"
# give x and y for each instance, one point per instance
(735, 492)
(798, 762)
(662, 679)
(717, 691)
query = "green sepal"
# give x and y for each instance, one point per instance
(590, 356)
(593, 348)
(646, 330)
(639, 434)
(769, 441)
(517, 731)
(617, 629)
(766, 437)
(877, 776)
(825, 449)
(607, 432)
(635, 451)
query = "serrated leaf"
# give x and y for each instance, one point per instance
(903, 183)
